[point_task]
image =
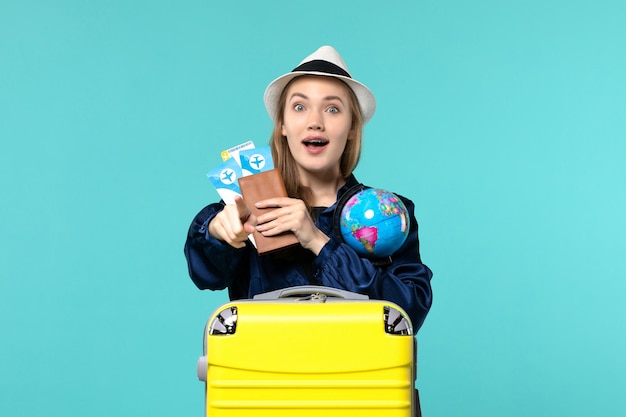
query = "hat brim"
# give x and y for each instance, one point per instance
(365, 98)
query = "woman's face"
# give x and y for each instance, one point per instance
(317, 123)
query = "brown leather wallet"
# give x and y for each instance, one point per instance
(261, 186)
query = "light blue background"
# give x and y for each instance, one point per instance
(503, 120)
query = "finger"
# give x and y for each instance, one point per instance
(237, 240)
(230, 220)
(231, 228)
(276, 202)
(249, 226)
(294, 209)
(240, 228)
(275, 224)
(242, 208)
(269, 216)
(225, 234)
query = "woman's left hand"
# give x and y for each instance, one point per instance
(290, 214)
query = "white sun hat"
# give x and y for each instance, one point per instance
(325, 61)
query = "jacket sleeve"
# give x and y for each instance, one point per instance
(212, 264)
(405, 281)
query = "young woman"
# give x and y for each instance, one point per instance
(318, 112)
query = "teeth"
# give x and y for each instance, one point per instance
(316, 142)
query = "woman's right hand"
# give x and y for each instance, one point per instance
(233, 224)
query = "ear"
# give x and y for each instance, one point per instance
(283, 131)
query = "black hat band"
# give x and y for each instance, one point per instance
(319, 65)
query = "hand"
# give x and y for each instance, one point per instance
(290, 214)
(233, 224)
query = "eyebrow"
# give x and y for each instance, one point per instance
(327, 98)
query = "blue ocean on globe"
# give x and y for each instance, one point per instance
(374, 222)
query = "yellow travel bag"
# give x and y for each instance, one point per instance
(309, 351)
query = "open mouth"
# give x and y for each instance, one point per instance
(315, 143)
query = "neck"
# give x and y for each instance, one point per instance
(323, 189)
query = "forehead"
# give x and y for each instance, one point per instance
(327, 85)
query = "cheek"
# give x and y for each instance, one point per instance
(351, 134)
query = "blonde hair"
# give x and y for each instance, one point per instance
(284, 161)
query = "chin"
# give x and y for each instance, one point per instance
(324, 171)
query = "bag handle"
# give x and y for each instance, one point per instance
(309, 290)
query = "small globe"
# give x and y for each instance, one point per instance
(374, 222)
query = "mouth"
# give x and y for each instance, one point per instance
(315, 142)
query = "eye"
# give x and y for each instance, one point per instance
(333, 109)
(298, 107)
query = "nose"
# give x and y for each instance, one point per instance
(315, 122)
